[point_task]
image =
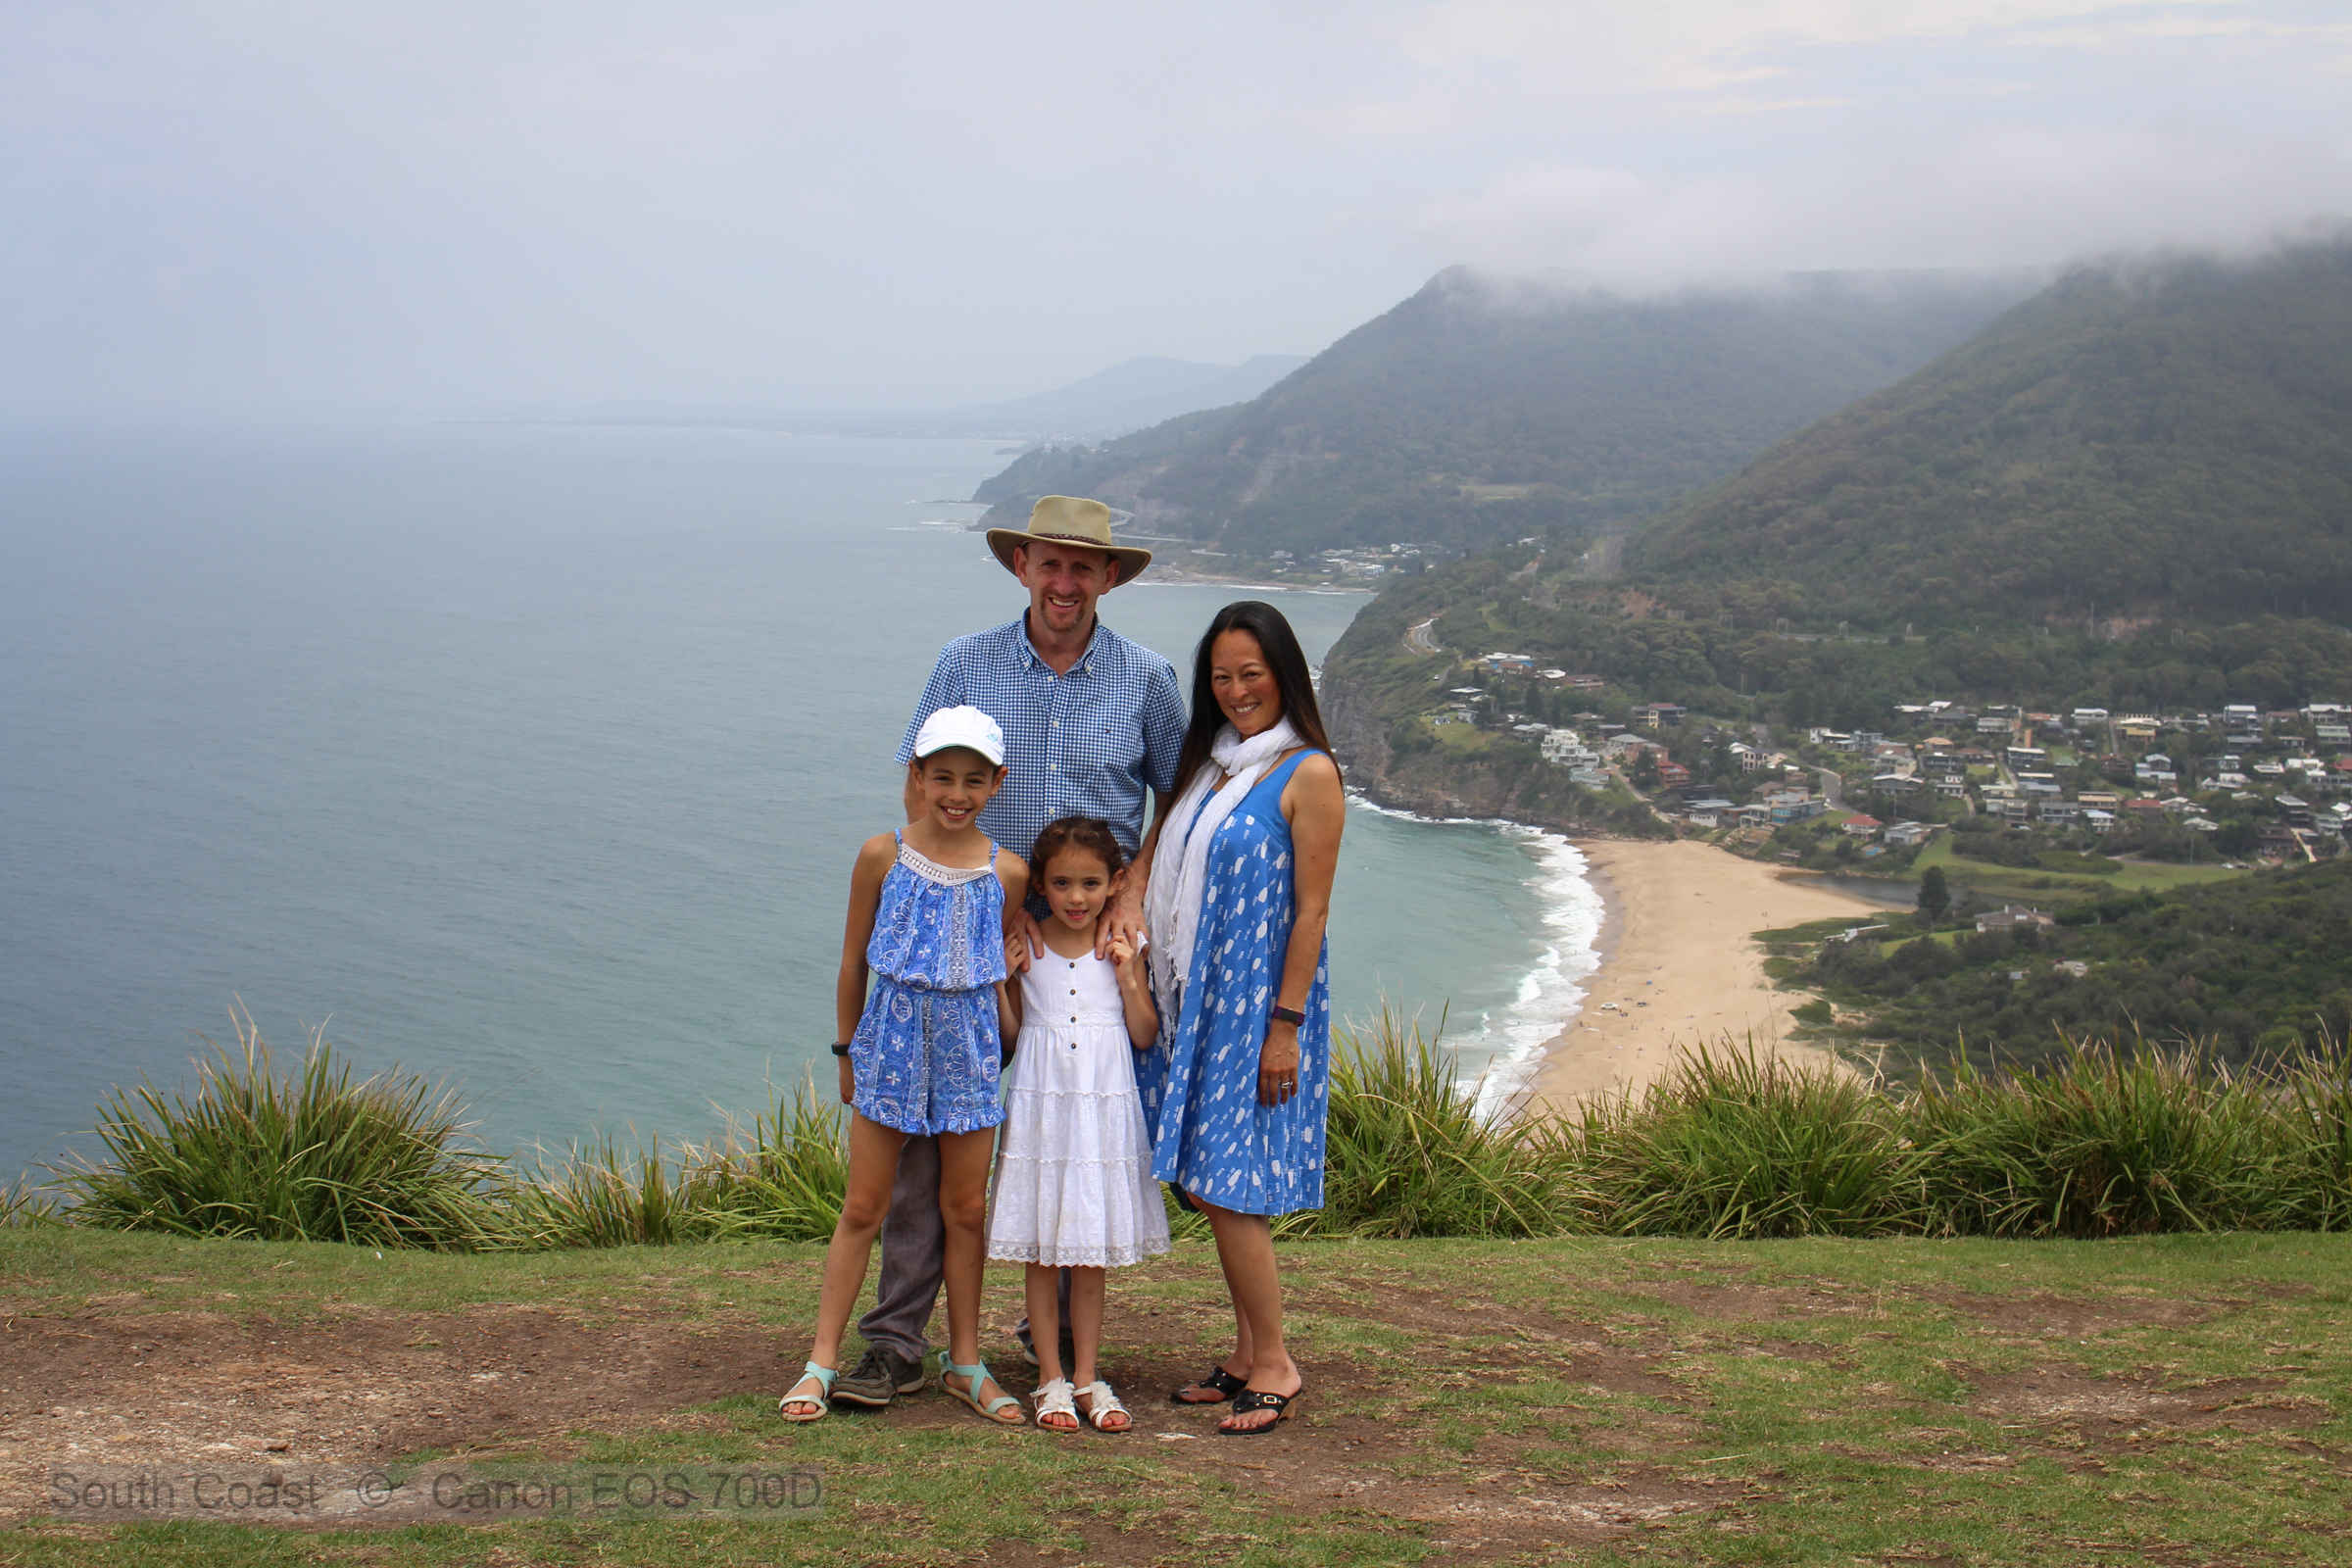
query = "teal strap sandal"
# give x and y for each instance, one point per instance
(820, 1403)
(974, 1376)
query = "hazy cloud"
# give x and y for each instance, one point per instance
(279, 206)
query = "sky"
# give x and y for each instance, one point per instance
(458, 206)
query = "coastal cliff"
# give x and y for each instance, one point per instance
(1400, 763)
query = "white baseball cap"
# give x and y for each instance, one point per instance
(967, 727)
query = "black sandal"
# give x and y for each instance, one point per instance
(1250, 1400)
(1224, 1382)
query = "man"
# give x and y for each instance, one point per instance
(1092, 721)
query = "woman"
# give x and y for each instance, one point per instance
(1239, 894)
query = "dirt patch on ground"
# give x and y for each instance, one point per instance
(355, 1387)
(1727, 1298)
(2123, 1407)
(2042, 1315)
(1773, 1350)
(1480, 1338)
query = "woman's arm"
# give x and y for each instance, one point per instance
(1317, 810)
(875, 858)
(1134, 997)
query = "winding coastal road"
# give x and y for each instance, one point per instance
(1418, 640)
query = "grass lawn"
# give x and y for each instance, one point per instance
(2027, 885)
(2181, 1399)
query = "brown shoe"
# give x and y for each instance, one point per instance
(880, 1376)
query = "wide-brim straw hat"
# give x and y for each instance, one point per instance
(1069, 521)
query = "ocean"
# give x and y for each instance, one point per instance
(532, 759)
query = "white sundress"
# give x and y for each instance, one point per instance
(1075, 1186)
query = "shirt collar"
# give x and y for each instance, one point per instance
(1086, 660)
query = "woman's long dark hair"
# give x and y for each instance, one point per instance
(1283, 657)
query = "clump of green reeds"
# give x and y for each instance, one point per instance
(1733, 1143)
(782, 1178)
(1410, 1153)
(2107, 1138)
(384, 1162)
(2112, 1140)
(24, 1203)
(2318, 1174)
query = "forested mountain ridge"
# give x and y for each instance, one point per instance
(1483, 410)
(2096, 501)
(2160, 439)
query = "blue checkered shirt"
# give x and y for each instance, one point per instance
(1087, 743)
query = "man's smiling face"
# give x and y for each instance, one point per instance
(1063, 583)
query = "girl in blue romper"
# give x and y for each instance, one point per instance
(920, 1054)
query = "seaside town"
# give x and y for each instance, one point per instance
(2242, 784)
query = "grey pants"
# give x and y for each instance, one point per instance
(914, 1255)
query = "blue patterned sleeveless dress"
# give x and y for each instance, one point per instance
(927, 1052)
(1199, 1080)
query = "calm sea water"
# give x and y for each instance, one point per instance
(534, 759)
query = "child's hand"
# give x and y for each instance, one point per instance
(1121, 952)
(1016, 953)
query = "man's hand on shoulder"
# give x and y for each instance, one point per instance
(1123, 921)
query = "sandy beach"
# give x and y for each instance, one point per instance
(1676, 962)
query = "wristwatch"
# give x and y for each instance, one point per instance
(840, 1047)
(1289, 1015)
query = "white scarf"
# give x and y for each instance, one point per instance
(1180, 863)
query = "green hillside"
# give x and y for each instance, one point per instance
(2160, 439)
(1479, 411)
(2134, 490)
(2250, 965)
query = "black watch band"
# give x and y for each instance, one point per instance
(1289, 1015)
(840, 1047)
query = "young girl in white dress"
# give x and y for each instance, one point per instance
(1075, 1186)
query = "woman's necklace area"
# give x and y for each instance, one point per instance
(1224, 779)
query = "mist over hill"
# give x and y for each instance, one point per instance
(1127, 396)
(2144, 439)
(2134, 489)
(1484, 408)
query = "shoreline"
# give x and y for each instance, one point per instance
(1678, 966)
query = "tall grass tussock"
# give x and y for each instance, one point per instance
(2116, 1138)
(1408, 1153)
(314, 1157)
(1733, 1144)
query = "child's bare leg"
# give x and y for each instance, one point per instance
(1044, 1328)
(1086, 1336)
(963, 1163)
(1085, 1323)
(873, 1166)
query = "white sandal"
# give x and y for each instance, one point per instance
(1100, 1401)
(1053, 1399)
(819, 1403)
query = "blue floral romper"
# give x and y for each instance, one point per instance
(1200, 1081)
(926, 1050)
